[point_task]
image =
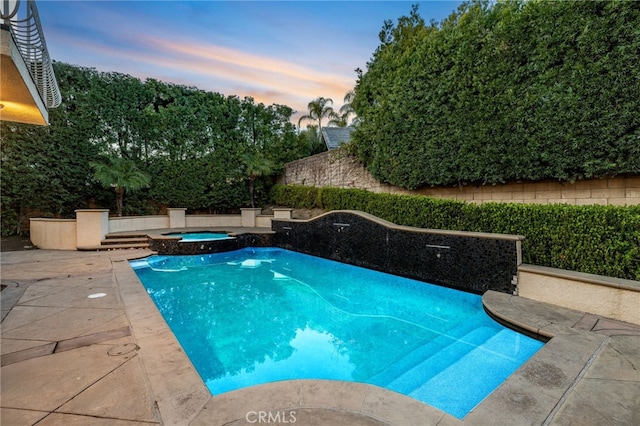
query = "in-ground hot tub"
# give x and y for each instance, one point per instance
(186, 237)
(202, 242)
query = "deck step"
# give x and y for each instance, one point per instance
(133, 240)
(127, 235)
(104, 247)
(123, 240)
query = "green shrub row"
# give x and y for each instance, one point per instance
(603, 240)
(501, 91)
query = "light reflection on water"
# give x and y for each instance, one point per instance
(254, 316)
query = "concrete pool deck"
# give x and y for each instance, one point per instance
(82, 343)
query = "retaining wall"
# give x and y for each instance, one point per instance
(202, 221)
(53, 234)
(92, 225)
(338, 169)
(609, 297)
(137, 223)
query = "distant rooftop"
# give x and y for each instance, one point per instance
(336, 136)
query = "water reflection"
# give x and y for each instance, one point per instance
(314, 354)
(251, 317)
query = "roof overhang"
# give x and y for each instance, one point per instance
(19, 96)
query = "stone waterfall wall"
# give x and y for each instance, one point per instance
(469, 261)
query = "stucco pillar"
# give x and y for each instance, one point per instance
(248, 217)
(91, 226)
(177, 217)
(281, 213)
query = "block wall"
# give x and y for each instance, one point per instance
(338, 169)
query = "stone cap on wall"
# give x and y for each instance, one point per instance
(620, 283)
(414, 229)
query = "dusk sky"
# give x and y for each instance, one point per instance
(286, 52)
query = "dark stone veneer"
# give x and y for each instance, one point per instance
(469, 261)
(171, 245)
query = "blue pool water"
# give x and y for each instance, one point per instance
(200, 236)
(259, 315)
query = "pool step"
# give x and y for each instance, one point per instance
(115, 242)
(472, 375)
(426, 351)
(415, 377)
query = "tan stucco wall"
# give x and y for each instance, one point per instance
(137, 223)
(53, 234)
(203, 221)
(91, 226)
(263, 221)
(337, 169)
(177, 217)
(608, 297)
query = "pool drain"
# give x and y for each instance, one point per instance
(122, 349)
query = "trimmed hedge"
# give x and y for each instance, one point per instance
(603, 240)
(503, 91)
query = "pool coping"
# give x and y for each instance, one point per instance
(531, 395)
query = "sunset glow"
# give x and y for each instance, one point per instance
(276, 52)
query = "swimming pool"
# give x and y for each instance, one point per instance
(199, 236)
(254, 316)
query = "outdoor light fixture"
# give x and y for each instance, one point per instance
(96, 295)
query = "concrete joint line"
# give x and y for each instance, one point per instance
(575, 382)
(57, 409)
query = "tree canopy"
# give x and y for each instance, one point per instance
(319, 109)
(500, 91)
(122, 175)
(255, 165)
(190, 141)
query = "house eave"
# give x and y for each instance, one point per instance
(21, 102)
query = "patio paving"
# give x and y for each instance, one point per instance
(68, 358)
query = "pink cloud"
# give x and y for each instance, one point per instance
(222, 69)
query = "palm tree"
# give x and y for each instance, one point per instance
(314, 144)
(319, 108)
(256, 165)
(346, 109)
(122, 175)
(342, 118)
